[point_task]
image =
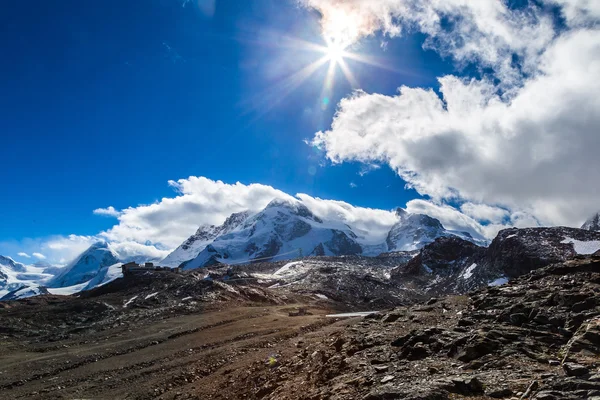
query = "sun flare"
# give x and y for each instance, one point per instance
(335, 52)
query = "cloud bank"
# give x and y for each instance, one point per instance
(153, 230)
(522, 138)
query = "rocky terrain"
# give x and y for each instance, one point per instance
(538, 337)
(261, 331)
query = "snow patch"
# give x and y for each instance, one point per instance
(469, 271)
(583, 248)
(499, 282)
(286, 267)
(151, 295)
(352, 314)
(130, 301)
(68, 290)
(322, 296)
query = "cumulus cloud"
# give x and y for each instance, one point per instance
(484, 212)
(134, 250)
(22, 254)
(525, 138)
(107, 212)
(39, 256)
(364, 221)
(198, 201)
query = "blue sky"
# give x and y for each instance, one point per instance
(102, 103)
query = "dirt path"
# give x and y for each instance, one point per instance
(190, 356)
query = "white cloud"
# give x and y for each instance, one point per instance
(126, 250)
(198, 201)
(367, 168)
(484, 212)
(353, 185)
(485, 31)
(57, 250)
(527, 142)
(486, 224)
(22, 254)
(376, 223)
(107, 212)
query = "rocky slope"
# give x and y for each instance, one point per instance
(537, 337)
(452, 265)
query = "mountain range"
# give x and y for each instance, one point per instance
(286, 230)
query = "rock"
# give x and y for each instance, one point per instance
(338, 344)
(499, 393)
(533, 386)
(461, 385)
(391, 317)
(391, 393)
(388, 378)
(572, 369)
(518, 318)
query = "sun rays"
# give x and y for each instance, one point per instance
(333, 60)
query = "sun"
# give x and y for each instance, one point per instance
(335, 52)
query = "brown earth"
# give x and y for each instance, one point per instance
(187, 355)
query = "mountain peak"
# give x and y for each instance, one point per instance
(285, 203)
(592, 224)
(295, 207)
(86, 266)
(414, 231)
(401, 212)
(205, 235)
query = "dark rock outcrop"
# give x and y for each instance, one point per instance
(453, 265)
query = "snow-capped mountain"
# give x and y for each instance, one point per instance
(288, 229)
(413, 231)
(205, 235)
(85, 267)
(283, 230)
(15, 276)
(592, 224)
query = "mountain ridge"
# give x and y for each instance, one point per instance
(333, 237)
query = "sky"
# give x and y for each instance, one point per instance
(135, 122)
